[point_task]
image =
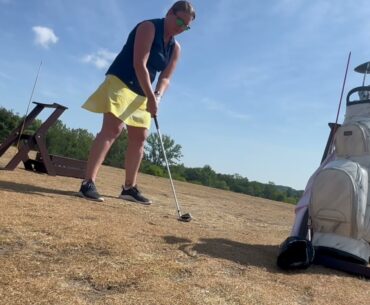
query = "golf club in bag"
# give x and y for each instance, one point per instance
(182, 217)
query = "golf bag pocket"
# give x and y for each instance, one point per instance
(353, 139)
(339, 197)
(337, 209)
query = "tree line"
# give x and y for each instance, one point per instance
(76, 143)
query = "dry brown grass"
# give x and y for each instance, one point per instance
(56, 248)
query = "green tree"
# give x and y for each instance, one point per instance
(152, 169)
(76, 143)
(153, 150)
(116, 154)
(9, 121)
(72, 143)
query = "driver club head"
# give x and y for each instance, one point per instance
(185, 217)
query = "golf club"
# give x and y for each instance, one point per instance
(182, 217)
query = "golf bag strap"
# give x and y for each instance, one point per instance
(345, 266)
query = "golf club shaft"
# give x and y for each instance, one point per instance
(340, 103)
(168, 167)
(343, 85)
(28, 106)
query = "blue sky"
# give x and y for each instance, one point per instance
(256, 85)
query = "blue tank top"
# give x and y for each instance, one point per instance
(159, 57)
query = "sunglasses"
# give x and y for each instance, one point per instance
(181, 23)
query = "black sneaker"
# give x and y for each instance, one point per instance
(133, 194)
(88, 190)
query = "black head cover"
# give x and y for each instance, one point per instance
(363, 68)
(295, 253)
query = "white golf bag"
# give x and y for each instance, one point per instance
(333, 215)
(340, 205)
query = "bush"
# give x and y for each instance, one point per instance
(152, 169)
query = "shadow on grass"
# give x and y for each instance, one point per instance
(32, 189)
(262, 256)
(42, 191)
(244, 254)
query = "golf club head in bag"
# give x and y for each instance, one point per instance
(182, 217)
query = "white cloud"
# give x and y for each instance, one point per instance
(5, 76)
(220, 108)
(101, 59)
(237, 115)
(44, 36)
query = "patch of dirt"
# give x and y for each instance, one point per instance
(57, 248)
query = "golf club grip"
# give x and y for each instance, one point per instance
(156, 122)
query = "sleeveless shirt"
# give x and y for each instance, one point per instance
(159, 57)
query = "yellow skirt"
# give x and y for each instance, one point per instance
(115, 97)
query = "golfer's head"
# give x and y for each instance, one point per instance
(179, 17)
